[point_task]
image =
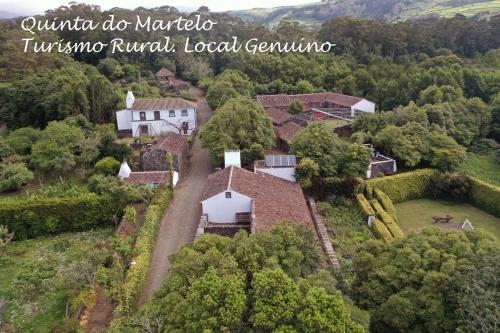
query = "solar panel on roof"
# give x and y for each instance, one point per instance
(280, 160)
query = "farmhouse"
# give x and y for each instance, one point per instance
(155, 157)
(157, 116)
(338, 104)
(235, 198)
(164, 76)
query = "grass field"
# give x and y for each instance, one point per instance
(34, 275)
(482, 167)
(416, 214)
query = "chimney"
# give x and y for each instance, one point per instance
(232, 157)
(125, 170)
(130, 100)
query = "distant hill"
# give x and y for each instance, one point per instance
(391, 10)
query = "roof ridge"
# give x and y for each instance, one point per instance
(230, 177)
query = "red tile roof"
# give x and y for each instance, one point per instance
(278, 116)
(171, 142)
(162, 104)
(287, 131)
(147, 177)
(282, 100)
(164, 72)
(276, 199)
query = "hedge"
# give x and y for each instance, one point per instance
(389, 222)
(386, 202)
(143, 250)
(30, 217)
(485, 196)
(404, 186)
(380, 231)
(365, 205)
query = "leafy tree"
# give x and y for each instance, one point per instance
(48, 155)
(238, 124)
(22, 139)
(444, 152)
(13, 176)
(219, 93)
(295, 107)
(108, 67)
(108, 166)
(275, 299)
(307, 170)
(409, 285)
(304, 87)
(5, 149)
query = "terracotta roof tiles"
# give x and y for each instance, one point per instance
(171, 142)
(288, 130)
(147, 177)
(282, 100)
(162, 104)
(278, 116)
(164, 72)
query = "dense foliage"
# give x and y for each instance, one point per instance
(239, 124)
(267, 282)
(417, 285)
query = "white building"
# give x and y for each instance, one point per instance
(149, 178)
(282, 166)
(156, 116)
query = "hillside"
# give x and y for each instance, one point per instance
(392, 10)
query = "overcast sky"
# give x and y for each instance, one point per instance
(38, 7)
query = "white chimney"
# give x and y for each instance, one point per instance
(124, 170)
(232, 157)
(130, 100)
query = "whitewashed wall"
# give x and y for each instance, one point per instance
(159, 126)
(284, 173)
(124, 119)
(222, 210)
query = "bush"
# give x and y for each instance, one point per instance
(455, 185)
(30, 217)
(389, 222)
(380, 231)
(404, 186)
(485, 196)
(13, 176)
(365, 205)
(145, 242)
(108, 166)
(187, 95)
(386, 202)
(130, 214)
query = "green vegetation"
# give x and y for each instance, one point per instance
(239, 124)
(404, 186)
(270, 281)
(415, 214)
(42, 278)
(423, 282)
(485, 168)
(315, 13)
(485, 196)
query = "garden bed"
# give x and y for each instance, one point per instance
(415, 214)
(37, 279)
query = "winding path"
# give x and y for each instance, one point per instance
(180, 222)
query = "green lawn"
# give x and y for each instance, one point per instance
(482, 167)
(34, 278)
(416, 214)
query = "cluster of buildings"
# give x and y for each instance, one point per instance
(236, 198)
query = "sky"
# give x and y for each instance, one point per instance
(38, 7)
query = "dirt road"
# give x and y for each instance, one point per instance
(179, 224)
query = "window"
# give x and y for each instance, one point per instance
(142, 115)
(171, 113)
(228, 195)
(157, 115)
(184, 113)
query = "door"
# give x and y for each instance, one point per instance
(143, 130)
(185, 127)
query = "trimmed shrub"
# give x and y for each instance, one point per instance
(129, 214)
(30, 217)
(365, 205)
(485, 196)
(454, 185)
(404, 186)
(108, 166)
(386, 202)
(144, 245)
(380, 231)
(389, 222)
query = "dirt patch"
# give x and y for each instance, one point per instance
(101, 314)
